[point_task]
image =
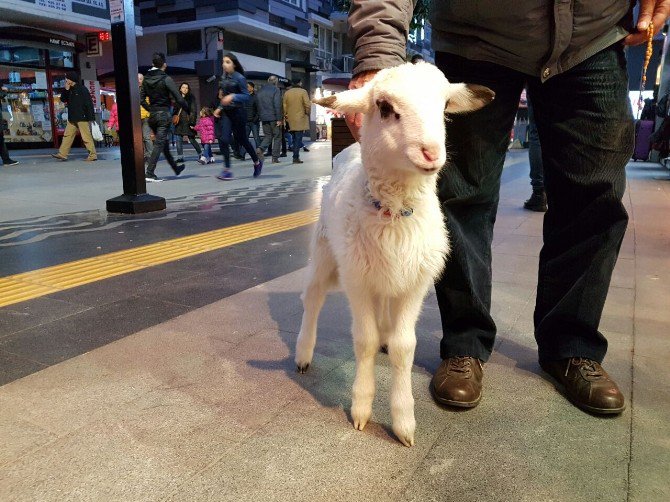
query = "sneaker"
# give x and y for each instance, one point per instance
(225, 175)
(178, 169)
(258, 168)
(202, 160)
(151, 177)
(260, 153)
(212, 160)
(305, 149)
(275, 160)
(58, 156)
(10, 162)
(298, 161)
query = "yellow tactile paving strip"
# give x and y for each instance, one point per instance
(28, 285)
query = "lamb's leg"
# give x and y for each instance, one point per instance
(383, 322)
(401, 344)
(320, 275)
(366, 345)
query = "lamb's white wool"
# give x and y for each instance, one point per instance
(381, 231)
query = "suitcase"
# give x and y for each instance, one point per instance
(643, 130)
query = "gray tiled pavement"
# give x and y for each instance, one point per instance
(207, 406)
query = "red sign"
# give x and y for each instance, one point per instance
(104, 36)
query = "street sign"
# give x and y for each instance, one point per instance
(93, 45)
(116, 13)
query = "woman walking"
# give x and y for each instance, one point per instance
(184, 121)
(233, 115)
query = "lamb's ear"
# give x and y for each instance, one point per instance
(468, 97)
(352, 101)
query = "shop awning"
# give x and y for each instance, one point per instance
(30, 37)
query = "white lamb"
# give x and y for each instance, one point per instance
(381, 231)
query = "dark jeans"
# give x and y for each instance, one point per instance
(297, 143)
(180, 145)
(534, 151)
(250, 127)
(4, 153)
(272, 136)
(585, 115)
(160, 122)
(234, 121)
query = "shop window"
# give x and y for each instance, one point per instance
(232, 42)
(61, 59)
(183, 42)
(25, 108)
(28, 56)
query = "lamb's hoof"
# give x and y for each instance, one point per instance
(360, 425)
(302, 368)
(405, 434)
(360, 416)
(384, 349)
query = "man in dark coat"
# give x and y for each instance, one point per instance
(271, 115)
(161, 90)
(6, 161)
(79, 117)
(253, 118)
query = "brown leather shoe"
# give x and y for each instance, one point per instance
(58, 156)
(587, 385)
(91, 158)
(458, 382)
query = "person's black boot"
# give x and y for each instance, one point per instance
(537, 201)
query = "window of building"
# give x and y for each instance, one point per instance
(183, 42)
(295, 3)
(232, 42)
(323, 42)
(28, 56)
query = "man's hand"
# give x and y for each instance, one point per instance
(217, 113)
(355, 121)
(655, 11)
(226, 100)
(279, 123)
(67, 85)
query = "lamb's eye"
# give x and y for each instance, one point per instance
(386, 109)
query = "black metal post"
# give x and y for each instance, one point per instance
(134, 198)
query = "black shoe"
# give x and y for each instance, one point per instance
(305, 149)
(275, 160)
(178, 169)
(10, 162)
(283, 155)
(537, 201)
(298, 161)
(151, 177)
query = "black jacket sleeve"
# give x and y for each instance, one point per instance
(143, 98)
(89, 112)
(65, 96)
(278, 104)
(176, 95)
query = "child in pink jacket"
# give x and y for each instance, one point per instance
(205, 128)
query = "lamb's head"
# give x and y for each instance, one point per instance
(404, 113)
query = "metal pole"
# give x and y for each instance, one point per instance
(134, 198)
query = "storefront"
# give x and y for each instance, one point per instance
(32, 70)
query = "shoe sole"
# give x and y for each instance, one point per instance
(560, 388)
(449, 402)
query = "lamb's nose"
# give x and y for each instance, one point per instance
(428, 155)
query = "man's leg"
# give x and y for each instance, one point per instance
(256, 133)
(68, 137)
(267, 136)
(87, 138)
(468, 190)
(276, 140)
(160, 133)
(538, 199)
(4, 153)
(296, 144)
(587, 115)
(180, 148)
(146, 138)
(195, 144)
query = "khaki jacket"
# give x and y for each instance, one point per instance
(541, 38)
(296, 109)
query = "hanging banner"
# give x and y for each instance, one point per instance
(116, 13)
(93, 87)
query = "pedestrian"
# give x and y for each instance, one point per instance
(270, 113)
(113, 122)
(253, 118)
(296, 112)
(80, 114)
(233, 115)
(4, 153)
(146, 130)
(161, 90)
(538, 199)
(574, 65)
(184, 121)
(206, 129)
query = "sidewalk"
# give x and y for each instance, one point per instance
(208, 406)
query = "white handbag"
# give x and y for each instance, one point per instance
(96, 132)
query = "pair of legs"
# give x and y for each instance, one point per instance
(160, 122)
(252, 128)
(297, 143)
(146, 139)
(586, 115)
(207, 151)
(180, 146)
(271, 137)
(71, 129)
(233, 121)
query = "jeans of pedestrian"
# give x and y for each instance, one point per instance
(297, 143)
(586, 113)
(146, 139)
(160, 122)
(534, 151)
(180, 145)
(251, 128)
(234, 120)
(207, 151)
(272, 136)
(4, 153)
